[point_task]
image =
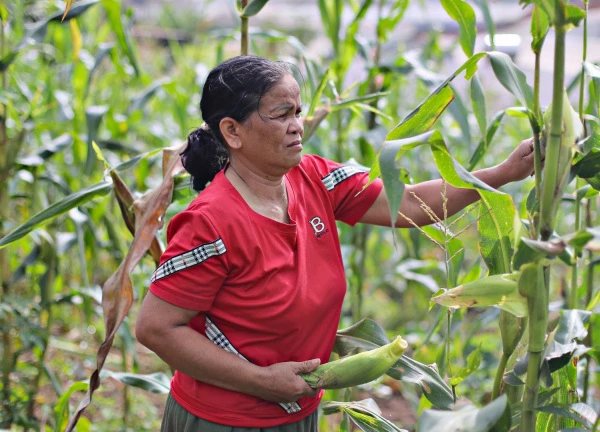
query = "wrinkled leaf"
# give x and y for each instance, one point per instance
(468, 419)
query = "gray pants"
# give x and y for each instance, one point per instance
(178, 419)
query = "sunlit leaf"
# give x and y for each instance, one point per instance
(461, 12)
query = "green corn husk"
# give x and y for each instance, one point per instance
(356, 369)
(497, 290)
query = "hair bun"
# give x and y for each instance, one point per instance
(203, 157)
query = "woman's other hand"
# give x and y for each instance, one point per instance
(519, 164)
(282, 382)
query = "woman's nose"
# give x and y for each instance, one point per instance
(297, 125)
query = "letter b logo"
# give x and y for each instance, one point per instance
(317, 225)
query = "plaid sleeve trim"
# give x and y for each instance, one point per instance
(189, 259)
(214, 334)
(338, 175)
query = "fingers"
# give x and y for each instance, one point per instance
(308, 365)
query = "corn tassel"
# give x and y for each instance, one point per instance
(356, 369)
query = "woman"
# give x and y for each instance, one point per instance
(249, 291)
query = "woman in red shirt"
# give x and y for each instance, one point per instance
(249, 291)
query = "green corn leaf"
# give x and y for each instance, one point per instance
(115, 18)
(573, 16)
(486, 140)
(539, 28)
(53, 147)
(253, 8)
(393, 176)
(489, 21)
(56, 209)
(593, 71)
(423, 117)
(513, 79)
(317, 96)
(572, 326)
(348, 103)
(156, 383)
(473, 362)
(459, 111)
(93, 116)
(455, 251)
(498, 290)
(142, 98)
(579, 412)
(588, 168)
(37, 31)
(103, 52)
(365, 414)
(461, 12)
(478, 102)
(61, 410)
(367, 334)
(493, 417)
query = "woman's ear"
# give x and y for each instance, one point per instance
(230, 131)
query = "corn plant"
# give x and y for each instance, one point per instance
(86, 184)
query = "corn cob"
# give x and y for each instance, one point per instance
(497, 290)
(356, 369)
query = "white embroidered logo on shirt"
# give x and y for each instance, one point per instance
(318, 226)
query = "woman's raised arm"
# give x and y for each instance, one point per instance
(517, 166)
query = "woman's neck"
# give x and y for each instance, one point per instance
(264, 194)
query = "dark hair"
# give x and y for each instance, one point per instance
(232, 89)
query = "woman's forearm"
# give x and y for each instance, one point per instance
(193, 354)
(430, 192)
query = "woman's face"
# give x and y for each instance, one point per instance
(272, 136)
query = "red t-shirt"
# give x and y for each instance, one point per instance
(267, 291)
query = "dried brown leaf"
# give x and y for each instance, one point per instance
(117, 292)
(126, 203)
(68, 5)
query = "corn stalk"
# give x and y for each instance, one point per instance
(244, 36)
(534, 280)
(4, 259)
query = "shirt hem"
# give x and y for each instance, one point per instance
(212, 414)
